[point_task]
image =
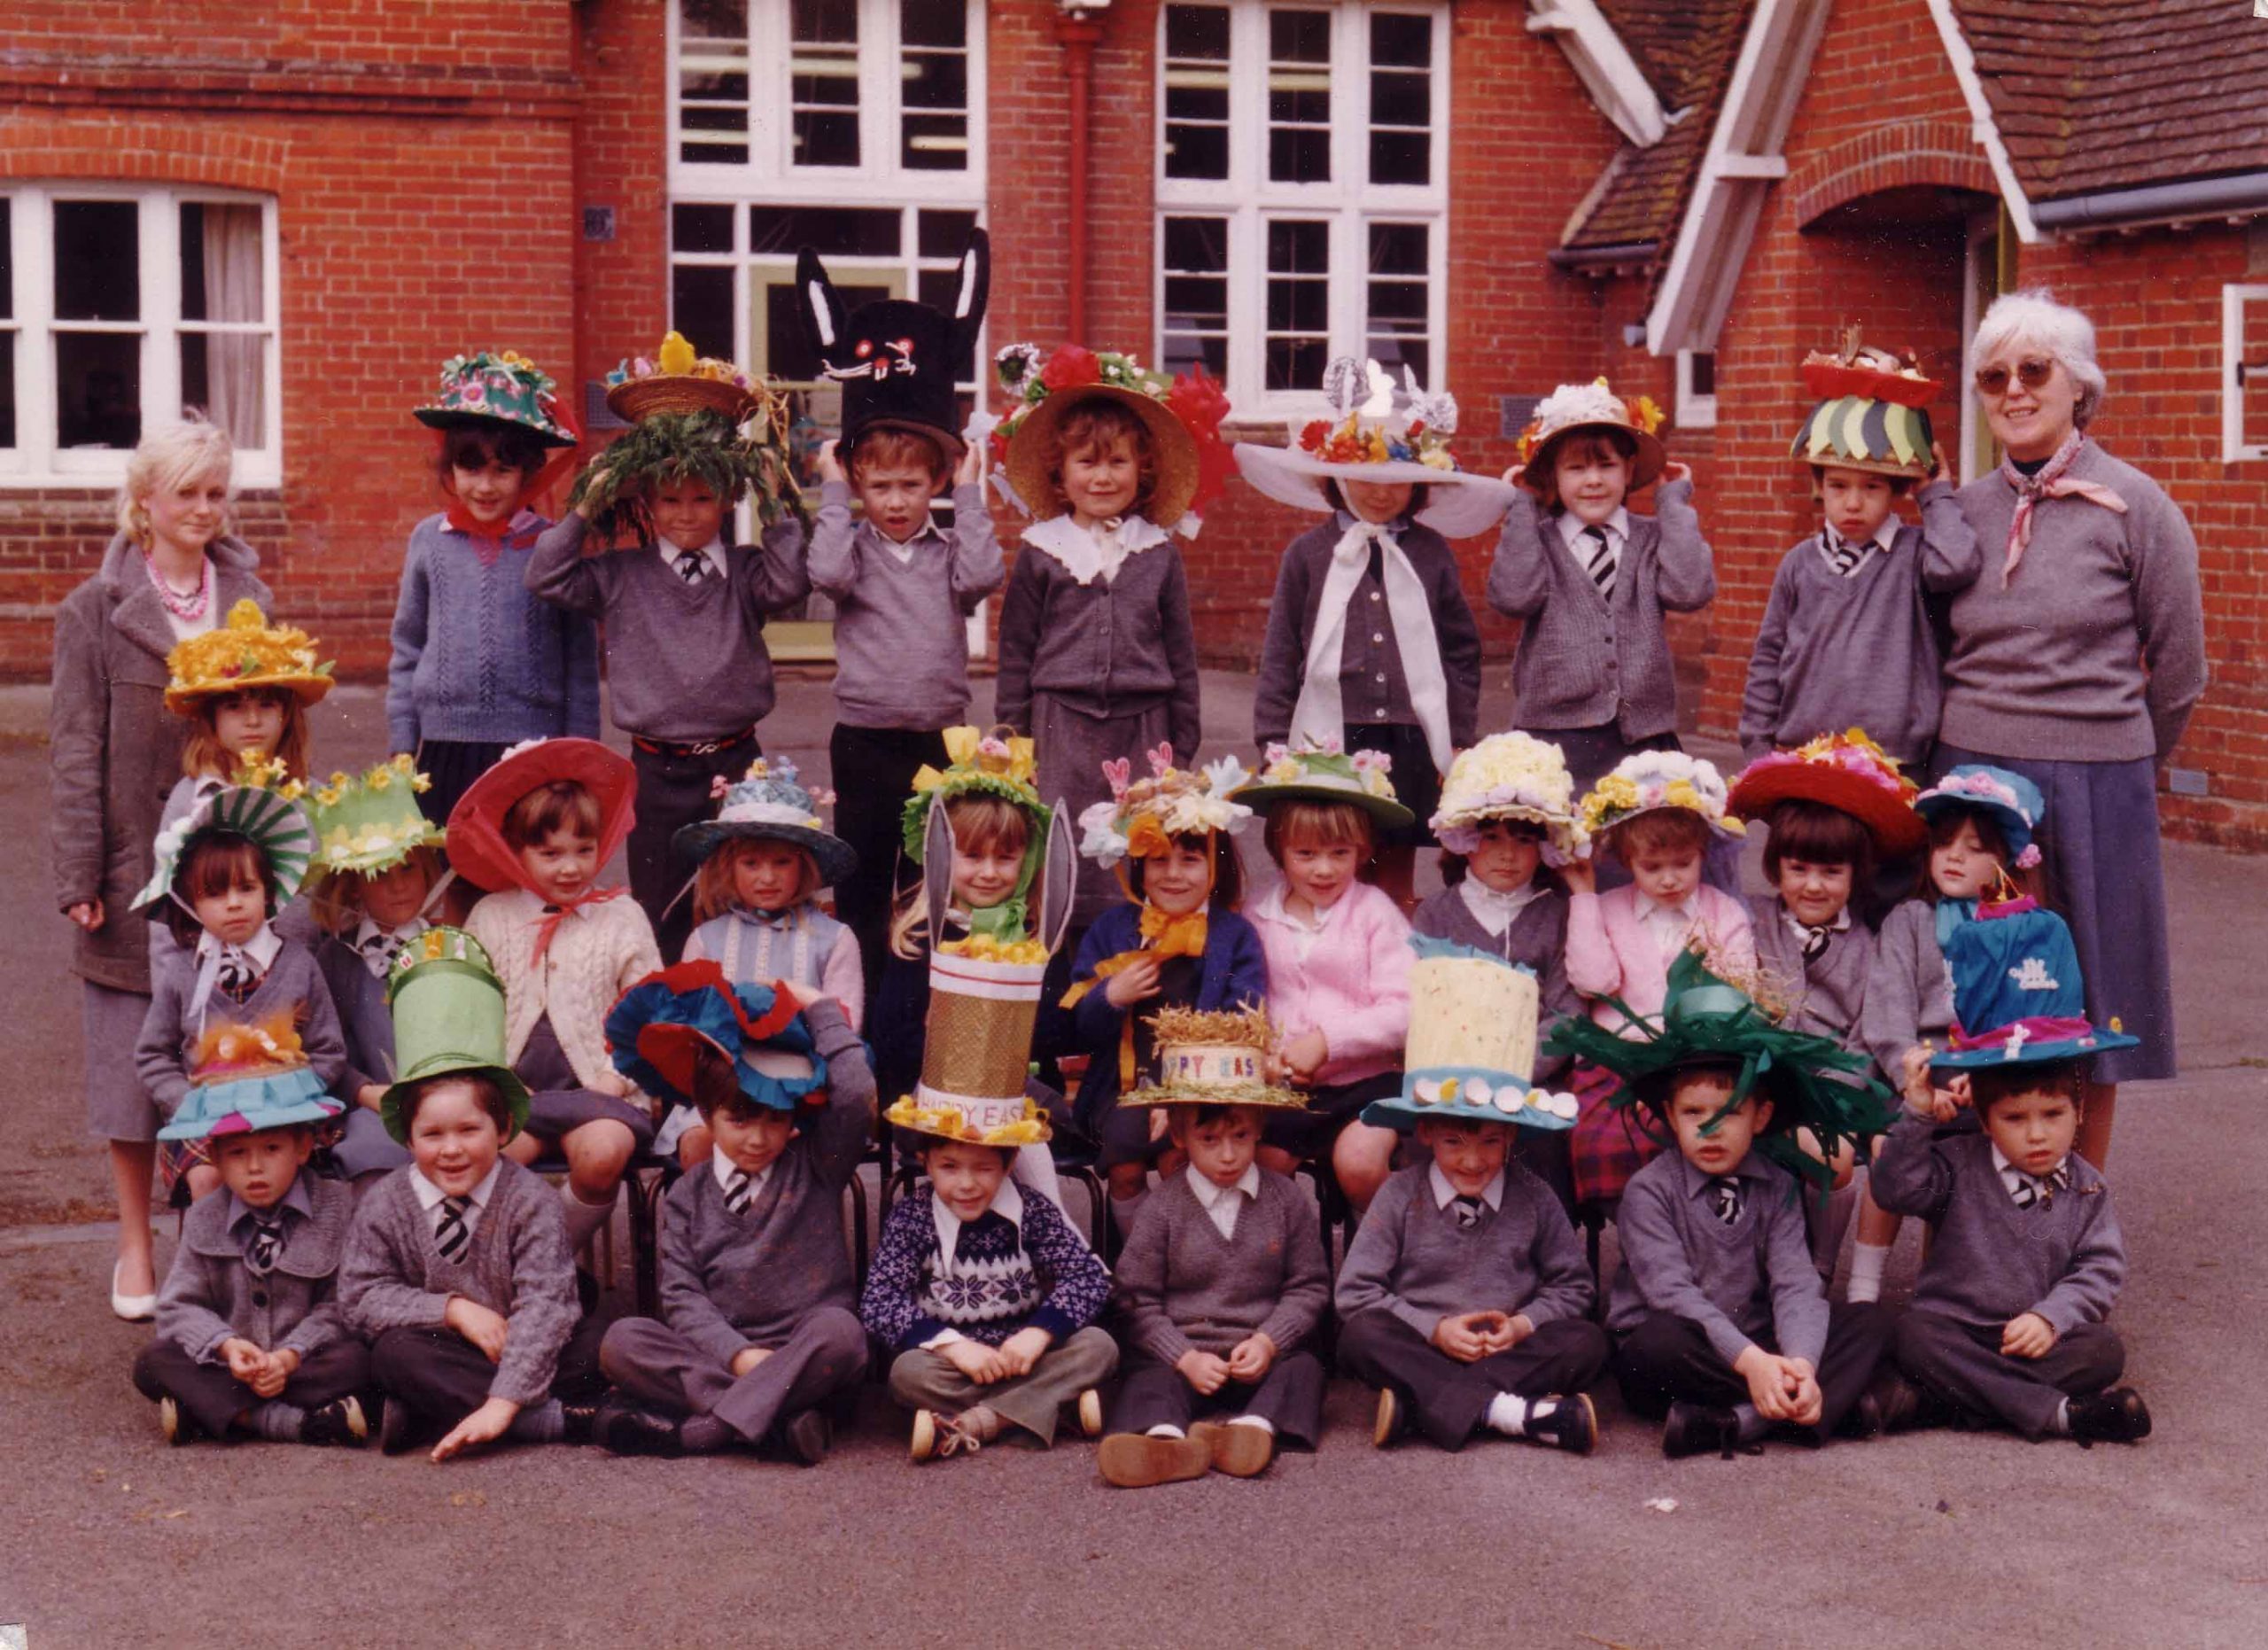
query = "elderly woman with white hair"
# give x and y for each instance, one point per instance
(171, 572)
(2075, 660)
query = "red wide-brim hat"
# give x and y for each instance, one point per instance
(1888, 813)
(478, 851)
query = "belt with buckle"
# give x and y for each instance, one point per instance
(698, 747)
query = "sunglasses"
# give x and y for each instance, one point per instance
(2032, 373)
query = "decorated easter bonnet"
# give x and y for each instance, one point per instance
(655, 1030)
(248, 1078)
(2013, 801)
(978, 763)
(1510, 776)
(693, 418)
(1813, 1082)
(1848, 772)
(1870, 414)
(2018, 996)
(895, 359)
(243, 653)
(769, 802)
(476, 845)
(270, 819)
(1212, 1057)
(1143, 815)
(1472, 1049)
(1578, 406)
(1647, 781)
(1377, 434)
(368, 822)
(1183, 416)
(448, 1021)
(502, 387)
(1321, 770)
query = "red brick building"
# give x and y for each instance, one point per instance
(291, 218)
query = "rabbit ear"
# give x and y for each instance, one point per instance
(937, 868)
(975, 292)
(826, 320)
(1058, 880)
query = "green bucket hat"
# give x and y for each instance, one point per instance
(448, 1019)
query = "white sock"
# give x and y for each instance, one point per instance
(1867, 1261)
(583, 1218)
(2061, 1425)
(1165, 1429)
(1261, 1421)
(1508, 1413)
(1122, 1210)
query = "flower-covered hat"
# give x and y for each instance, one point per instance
(1593, 405)
(244, 652)
(769, 802)
(1212, 1057)
(1472, 1049)
(1143, 815)
(504, 387)
(477, 846)
(1870, 416)
(370, 822)
(1320, 770)
(693, 418)
(997, 764)
(248, 1078)
(1183, 416)
(2018, 996)
(1647, 780)
(1376, 435)
(1846, 771)
(1510, 776)
(895, 358)
(448, 1021)
(2014, 802)
(656, 1028)
(269, 817)
(678, 379)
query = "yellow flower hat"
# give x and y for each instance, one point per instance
(245, 652)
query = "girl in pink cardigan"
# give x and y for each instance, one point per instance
(1657, 812)
(1338, 954)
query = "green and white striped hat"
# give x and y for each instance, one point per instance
(1860, 432)
(274, 823)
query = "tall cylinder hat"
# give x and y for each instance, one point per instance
(1472, 1048)
(448, 1021)
(2019, 998)
(897, 360)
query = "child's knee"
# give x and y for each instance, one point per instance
(1127, 1179)
(597, 1152)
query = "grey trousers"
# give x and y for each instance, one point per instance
(1963, 1365)
(826, 1353)
(215, 1398)
(1289, 1398)
(1447, 1400)
(922, 1379)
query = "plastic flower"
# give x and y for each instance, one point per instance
(1070, 367)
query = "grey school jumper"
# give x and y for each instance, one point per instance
(1909, 991)
(685, 662)
(1411, 1258)
(1182, 1285)
(1831, 989)
(901, 646)
(1104, 649)
(1580, 665)
(1858, 651)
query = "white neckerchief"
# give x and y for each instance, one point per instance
(1318, 714)
(260, 951)
(1671, 926)
(1008, 1203)
(1444, 1193)
(1494, 911)
(724, 1168)
(1219, 1207)
(1883, 539)
(430, 1196)
(713, 552)
(1087, 553)
(1618, 533)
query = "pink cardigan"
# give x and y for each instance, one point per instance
(1609, 953)
(1354, 987)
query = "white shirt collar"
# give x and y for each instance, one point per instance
(2011, 1175)
(295, 1198)
(1492, 910)
(1084, 553)
(927, 530)
(261, 948)
(1802, 930)
(1008, 1203)
(1444, 1193)
(712, 552)
(368, 929)
(430, 1196)
(1273, 907)
(1208, 1193)
(1617, 525)
(724, 1168)
(1884, 537)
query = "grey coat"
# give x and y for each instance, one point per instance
(114, 749)
(211, 1295)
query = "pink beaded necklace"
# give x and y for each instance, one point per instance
(188, 609)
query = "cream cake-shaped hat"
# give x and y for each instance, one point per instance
(1472, 1044)
(1212, 1058)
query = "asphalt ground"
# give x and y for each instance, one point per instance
(107, 1537)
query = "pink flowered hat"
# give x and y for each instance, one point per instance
(1848, 772)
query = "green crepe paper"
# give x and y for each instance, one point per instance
(703, 446)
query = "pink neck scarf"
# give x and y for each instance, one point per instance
(2050, 481)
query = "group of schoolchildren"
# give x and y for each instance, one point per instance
(386, 1005)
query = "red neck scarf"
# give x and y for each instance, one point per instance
(2049, 481)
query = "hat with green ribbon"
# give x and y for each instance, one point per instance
(448, 1021)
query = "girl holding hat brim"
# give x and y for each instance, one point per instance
(1370, 638)
(170, 572)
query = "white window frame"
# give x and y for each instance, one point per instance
(1249, 201)
(1694, 412)
(36, 461)
(769, 174)
(2235, 297)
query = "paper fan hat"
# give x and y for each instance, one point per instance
(1593, 406)
(2018, 996)
(656, 1029)
(244, 652)
(2012, 802)
(370, 822)
(1510, 776)
(1143, 815)
(1183, 416)
(1213, 1057)
(477, 846)
(1646, 781)
(769, 803)
(1870, 414)
(1812, 1082)
(897, 360)
(504, 387)
(1377, 434)
(1321, 770)
(448, 1021)
(1471, 1050)
(270, 819)
(244, 1079)
(1848, 772)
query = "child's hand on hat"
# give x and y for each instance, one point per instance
(1923, 1096)
(975, 462)
(370, 1096)
(1937, 466)
(1581, 876)
(1134, 982)
(1249, 1358)
(979, 1362)
(747, 1357)
(88, 913)
(485, 1425)
(1207, 1372)
(1025, 1348)
(477, 1323)
(830, 467)
(2027, 1334)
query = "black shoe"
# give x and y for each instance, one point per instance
(579, 1423)
(341, 1421)
(2118, 1416)
(1392, 1419)
(1698, 1429)
(1573, 1424)
(396, 1428)
(1890, 1404)
(621, 1429)
(807, 1437)
(179, 1426)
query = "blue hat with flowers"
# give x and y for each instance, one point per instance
(2018, 996)
(2013, 801)
(769, 801)
(247, 1077)
(500, 388)
(656, 1029)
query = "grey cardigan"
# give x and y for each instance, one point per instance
(1579, 664)
(114, 749)
(211, 1295)
(1106, 649)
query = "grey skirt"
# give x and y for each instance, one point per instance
(2099, 855)
(117, 1107)
(558, 1104)
(364, 1146)
(1071, 747)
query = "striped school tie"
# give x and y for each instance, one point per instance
(693, 567)
(740, 1192)
(1600, 560)
(267, 1244)
(450, 1233)
(1729, 1197)
(1843, 555)
(2037, 1191)
(1468, 1213)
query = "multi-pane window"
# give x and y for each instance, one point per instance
(1302, 188)
(120, 307)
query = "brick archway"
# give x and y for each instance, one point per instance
(139, 149)
(1941, 152)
